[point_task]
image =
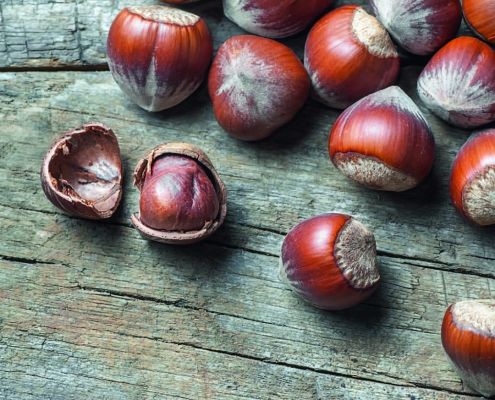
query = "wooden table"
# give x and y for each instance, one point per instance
(90, 310)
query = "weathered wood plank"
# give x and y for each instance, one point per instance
(63, 333)
(160, 370)
(392, 338)
(49, 34)
(263, 179)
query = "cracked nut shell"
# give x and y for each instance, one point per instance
(183, 200)
(82, 172)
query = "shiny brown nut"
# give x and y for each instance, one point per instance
(468, 338)
(183, 200)
(330, 261)
(82, 172)
(479, 16)
(419, 26)
(256, 85)
(349, 55)
(158, 55)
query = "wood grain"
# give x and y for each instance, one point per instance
(223, 297)
(88, 309)
(72, 33)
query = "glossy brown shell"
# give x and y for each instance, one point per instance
(158, 55)
(82, 172)
(179, 237)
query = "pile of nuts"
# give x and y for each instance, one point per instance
(159, 55)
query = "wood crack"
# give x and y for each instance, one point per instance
(234, 247)
(264, 229)
(452, 268)
(58, 68)
(406, 258)
(300, 367)
(177, 303)
(24, 260)
(181, 303)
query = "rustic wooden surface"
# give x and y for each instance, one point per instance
(58, 33)
(90, 310)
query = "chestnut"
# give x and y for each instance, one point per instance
(458, 83)
(330, 261)
(348, 55)
(183, 200)
(274, 18)
(472, 178)
(468, 338)
(383, 142)
(480, 17)
(419, 26)
(256, 86)
(82, 172)
(158, 55)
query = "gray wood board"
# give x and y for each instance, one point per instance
(73, 33)
(89, 309)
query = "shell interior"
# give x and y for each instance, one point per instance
(87, 165)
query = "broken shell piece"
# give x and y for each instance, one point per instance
(82, 172)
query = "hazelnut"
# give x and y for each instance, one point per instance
(472, 179)
(256, 86)
(419, 26)
(348, 55)
(158, 55)
(330, 261)
(458, 83)
(468, 338)
(383, 142)
(274, 18)
(183, 200)
(480, 17)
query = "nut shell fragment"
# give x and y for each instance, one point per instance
(143, 168)
(82, 172)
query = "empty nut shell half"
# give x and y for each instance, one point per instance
(82, 172)
(183, 200)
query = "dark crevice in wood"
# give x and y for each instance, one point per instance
(451, 267)
(113, 116)
(300, 367)
(448, 392)
(83, 376)
(26, 260)
(406, 258)
(57, 68)
(234, 247)
(181, 303)
(262, 228)
(108, 292)
(58, 213)
(482, 258)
